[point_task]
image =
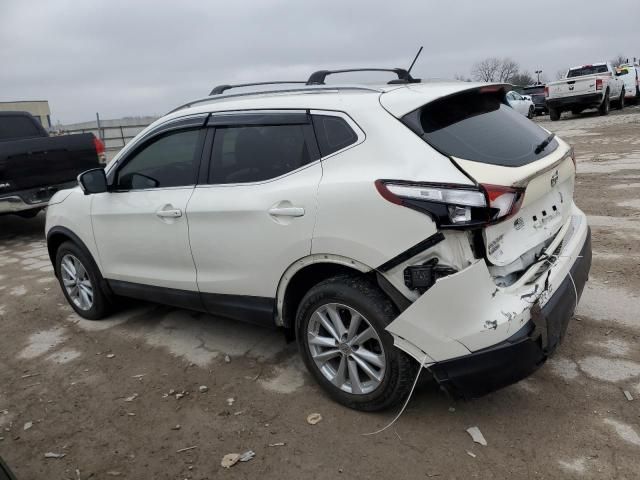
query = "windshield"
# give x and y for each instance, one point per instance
(587, 70)
(479, 126)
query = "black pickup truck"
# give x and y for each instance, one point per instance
(34, 165)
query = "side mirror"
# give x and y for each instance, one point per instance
(93, 181)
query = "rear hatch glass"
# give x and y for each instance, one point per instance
(477, 125)
(495, 145)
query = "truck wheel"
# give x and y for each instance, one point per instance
(603, 109)
(554, 114)
(81, 282)
(532, 112)
(340, 327)
(620, 105)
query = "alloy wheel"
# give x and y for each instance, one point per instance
(346, 348)
(76, 282)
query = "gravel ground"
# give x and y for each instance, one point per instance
(104, 393)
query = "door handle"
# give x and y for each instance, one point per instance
(169, 213)
(286, 211)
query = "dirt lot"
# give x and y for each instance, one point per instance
(98, 392)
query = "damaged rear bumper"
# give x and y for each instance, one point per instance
(524, 352)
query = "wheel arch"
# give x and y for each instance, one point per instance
(57, 236)
(309, 271)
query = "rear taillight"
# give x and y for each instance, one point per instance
(598, 84)
(504, 202)
(455, 206)
(99, 146)
(546, 92)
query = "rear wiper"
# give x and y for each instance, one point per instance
(544, 144)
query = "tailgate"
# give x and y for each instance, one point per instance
(549, 184)
(40, 162)
(573, 87)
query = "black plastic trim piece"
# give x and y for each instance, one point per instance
(223, 88)
(257, 310)
(412, 252)
(318, 78)
(238, 119)
(399, 300)
(5, 471)
(246, 308)
(163, 295)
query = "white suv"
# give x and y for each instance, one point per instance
(386, 228)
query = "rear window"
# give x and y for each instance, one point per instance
(538, 89)
(17, 126)
(480, 127)
(587, 70)
(333, 134)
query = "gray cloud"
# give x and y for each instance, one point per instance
(144, 57)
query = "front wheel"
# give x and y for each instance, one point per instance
(554, 114)
(603, 109)
(532, 112)
(342, 338)
(81, 282)
(621, 100)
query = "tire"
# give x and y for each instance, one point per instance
(603, 109)
(554, 114)
(621, 100)
(532, 112)
(347, 297)
(84, 292)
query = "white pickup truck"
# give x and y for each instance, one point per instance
(587, 86)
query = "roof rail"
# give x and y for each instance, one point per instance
(222, 88)
(292, 90)
(318, 78)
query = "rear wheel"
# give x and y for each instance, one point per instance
(603, 109)
(341, 334)
(81, 282)
(554, 114)
(532, 112)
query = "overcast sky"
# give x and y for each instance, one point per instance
(129, 58)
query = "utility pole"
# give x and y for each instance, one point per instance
(538, 72)
(100, 133)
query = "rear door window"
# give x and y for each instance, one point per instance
(254, 153)
(18, 126)
(479, 126)
(333, 133)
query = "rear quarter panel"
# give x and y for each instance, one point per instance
(354, 220)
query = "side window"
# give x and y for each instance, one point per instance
(255, 153)
(333, 133)
(168, 161)
(17, 126)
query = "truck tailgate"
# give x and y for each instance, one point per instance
(40, 162)
(573, 87)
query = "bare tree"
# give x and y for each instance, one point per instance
(522, 79)
(494, 69)
(486, 70)
(619, 60)
(508, 68)
(461, 78)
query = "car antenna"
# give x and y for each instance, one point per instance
(414, 59)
